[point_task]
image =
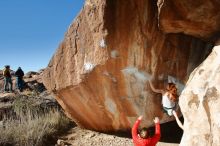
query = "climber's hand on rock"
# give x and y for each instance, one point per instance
(156, 120)
(148, 76)
(140, 118)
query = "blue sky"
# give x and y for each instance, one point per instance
(31, 30)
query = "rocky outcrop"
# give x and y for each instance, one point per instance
(200, 103)
(34, 94)
(198, 18)
(101, 69)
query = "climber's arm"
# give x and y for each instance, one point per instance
(178, 120)
(154, 89)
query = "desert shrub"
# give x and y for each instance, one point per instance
(30, 125)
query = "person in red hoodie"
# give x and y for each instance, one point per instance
(143, 139)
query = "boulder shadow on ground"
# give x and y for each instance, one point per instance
(170, 132)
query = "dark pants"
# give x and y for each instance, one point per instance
(19, 83)
(7, 84)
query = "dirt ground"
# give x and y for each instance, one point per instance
(82, 137)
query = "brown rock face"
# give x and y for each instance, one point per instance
(200, 104)
(200, 18)
(101, 69)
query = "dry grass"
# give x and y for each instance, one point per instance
(30, 125)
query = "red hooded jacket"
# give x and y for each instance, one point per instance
(138, 141)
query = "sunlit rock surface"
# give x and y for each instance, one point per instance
(100, 71)
(200, 102)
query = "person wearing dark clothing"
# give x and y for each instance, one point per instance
(19, 79)
(7, 79)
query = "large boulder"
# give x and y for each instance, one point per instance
(200, 18)
(100, 71)
(200, 102)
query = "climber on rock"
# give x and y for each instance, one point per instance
(143, 138)
(169, 100)
(169, 97)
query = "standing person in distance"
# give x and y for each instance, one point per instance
(19, 79)
(7, 79)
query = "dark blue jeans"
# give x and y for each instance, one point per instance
(7, 84)
(19, 83)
